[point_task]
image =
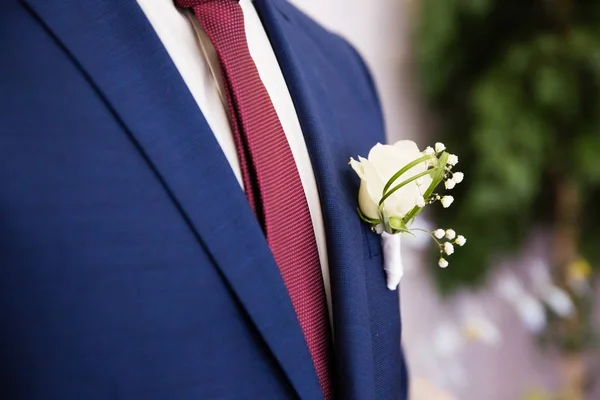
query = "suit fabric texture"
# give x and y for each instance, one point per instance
(132, 266)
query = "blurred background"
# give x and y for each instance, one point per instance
(512, 88)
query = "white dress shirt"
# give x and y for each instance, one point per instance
(196, 59)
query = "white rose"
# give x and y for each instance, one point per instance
(376, 170)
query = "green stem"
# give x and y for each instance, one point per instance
(439, 176)
(409, 180)
(413, 213)
(434, 183)
(430, 233)
(406, 168)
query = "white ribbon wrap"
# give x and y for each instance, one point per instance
(392, 258)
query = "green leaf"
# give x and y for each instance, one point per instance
(555, 88)
(398, 225)
(477, 7)
(585, 153)
(366, 219)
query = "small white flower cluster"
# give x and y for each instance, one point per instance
(437, 149)
(447, 247)
(451, 179)
(454, 179)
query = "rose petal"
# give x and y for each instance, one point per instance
(366, 204)
(357, 167)
(411, 150)
(373, 186)
(407, 146)
(387, 160)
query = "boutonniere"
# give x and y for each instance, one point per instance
(397, 182)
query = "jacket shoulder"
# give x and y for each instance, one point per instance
(344, 57)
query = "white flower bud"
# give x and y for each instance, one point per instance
(443, 263)
(446, 201)
(439, 233)
(429, 151)
(448, 248)
(460, 240)
(452, 159)
(449, 184)
(458, 177)
(420, 201)
(450, 234)
(439, 147)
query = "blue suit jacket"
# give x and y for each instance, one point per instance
(131, 265)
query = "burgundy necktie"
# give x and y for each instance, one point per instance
(270, 176)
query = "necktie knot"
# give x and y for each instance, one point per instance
(195, 3)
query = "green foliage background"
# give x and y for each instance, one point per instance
(516, 84)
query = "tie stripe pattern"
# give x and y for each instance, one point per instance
(270, 177)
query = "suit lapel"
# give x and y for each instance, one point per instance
(337, 189)
(118, 50)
